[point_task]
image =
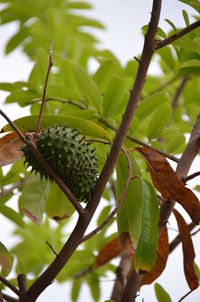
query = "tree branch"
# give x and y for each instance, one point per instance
(121, 275)
(182, 169)
(9, 285)
(44, 91)
(21, 279)
(9, 298)
(76, 236)
(178, 35)
(112, 214)
(11, 189)
(134, 279)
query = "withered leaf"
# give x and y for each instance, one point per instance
(188, 251)
(161, 259)
(168, 183)
(114, 248)
(10, 149)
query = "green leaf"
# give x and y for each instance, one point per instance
(88, 128)
(174, 144)
(104, 214)
(23, 98)
(5, 260)
(17, 39)
(76, 286)
(34, 197)
(145, 255)
(13, 174)
(87, 86)
(158, 121)
(113, 96)
(197, 270)
(168, 61)
(65, 92)
(186, 17)
(39, 71)
(190, 63)
(193, 3)
(104, 73)
(149, 105)
(129, 216)
(161, 294)
(93, 283)
(187, 44)
(11, 215)
(58, 206)
(171, 24)
(78, 5)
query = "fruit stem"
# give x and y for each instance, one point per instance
(44, 90)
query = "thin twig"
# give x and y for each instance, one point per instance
(177, 240)
(191, 176)
(160, 88)
(112, 214)
(44, 91)
(139, 142)
(32, 144)
(15, 128)
(61, 100)
(9, 285)
(177, 96)
(9, 298)
(187, 294)
(11, 189)
(51, 247)
(176, 36)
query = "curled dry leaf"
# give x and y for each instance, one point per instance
(188, 251)
(114, 248)
(168, 183)
(10, 149)
(161, 259)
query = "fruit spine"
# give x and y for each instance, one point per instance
(70, 155)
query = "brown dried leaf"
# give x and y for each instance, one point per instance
(168, 183)
(10, 149)
(188, 251)
(161, 259)
(114, 248)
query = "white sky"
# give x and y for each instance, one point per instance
(123, 21)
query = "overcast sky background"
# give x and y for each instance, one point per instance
(123, 20)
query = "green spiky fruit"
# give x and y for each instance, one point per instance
(70, 156)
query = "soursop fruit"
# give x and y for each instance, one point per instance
(70, 156)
